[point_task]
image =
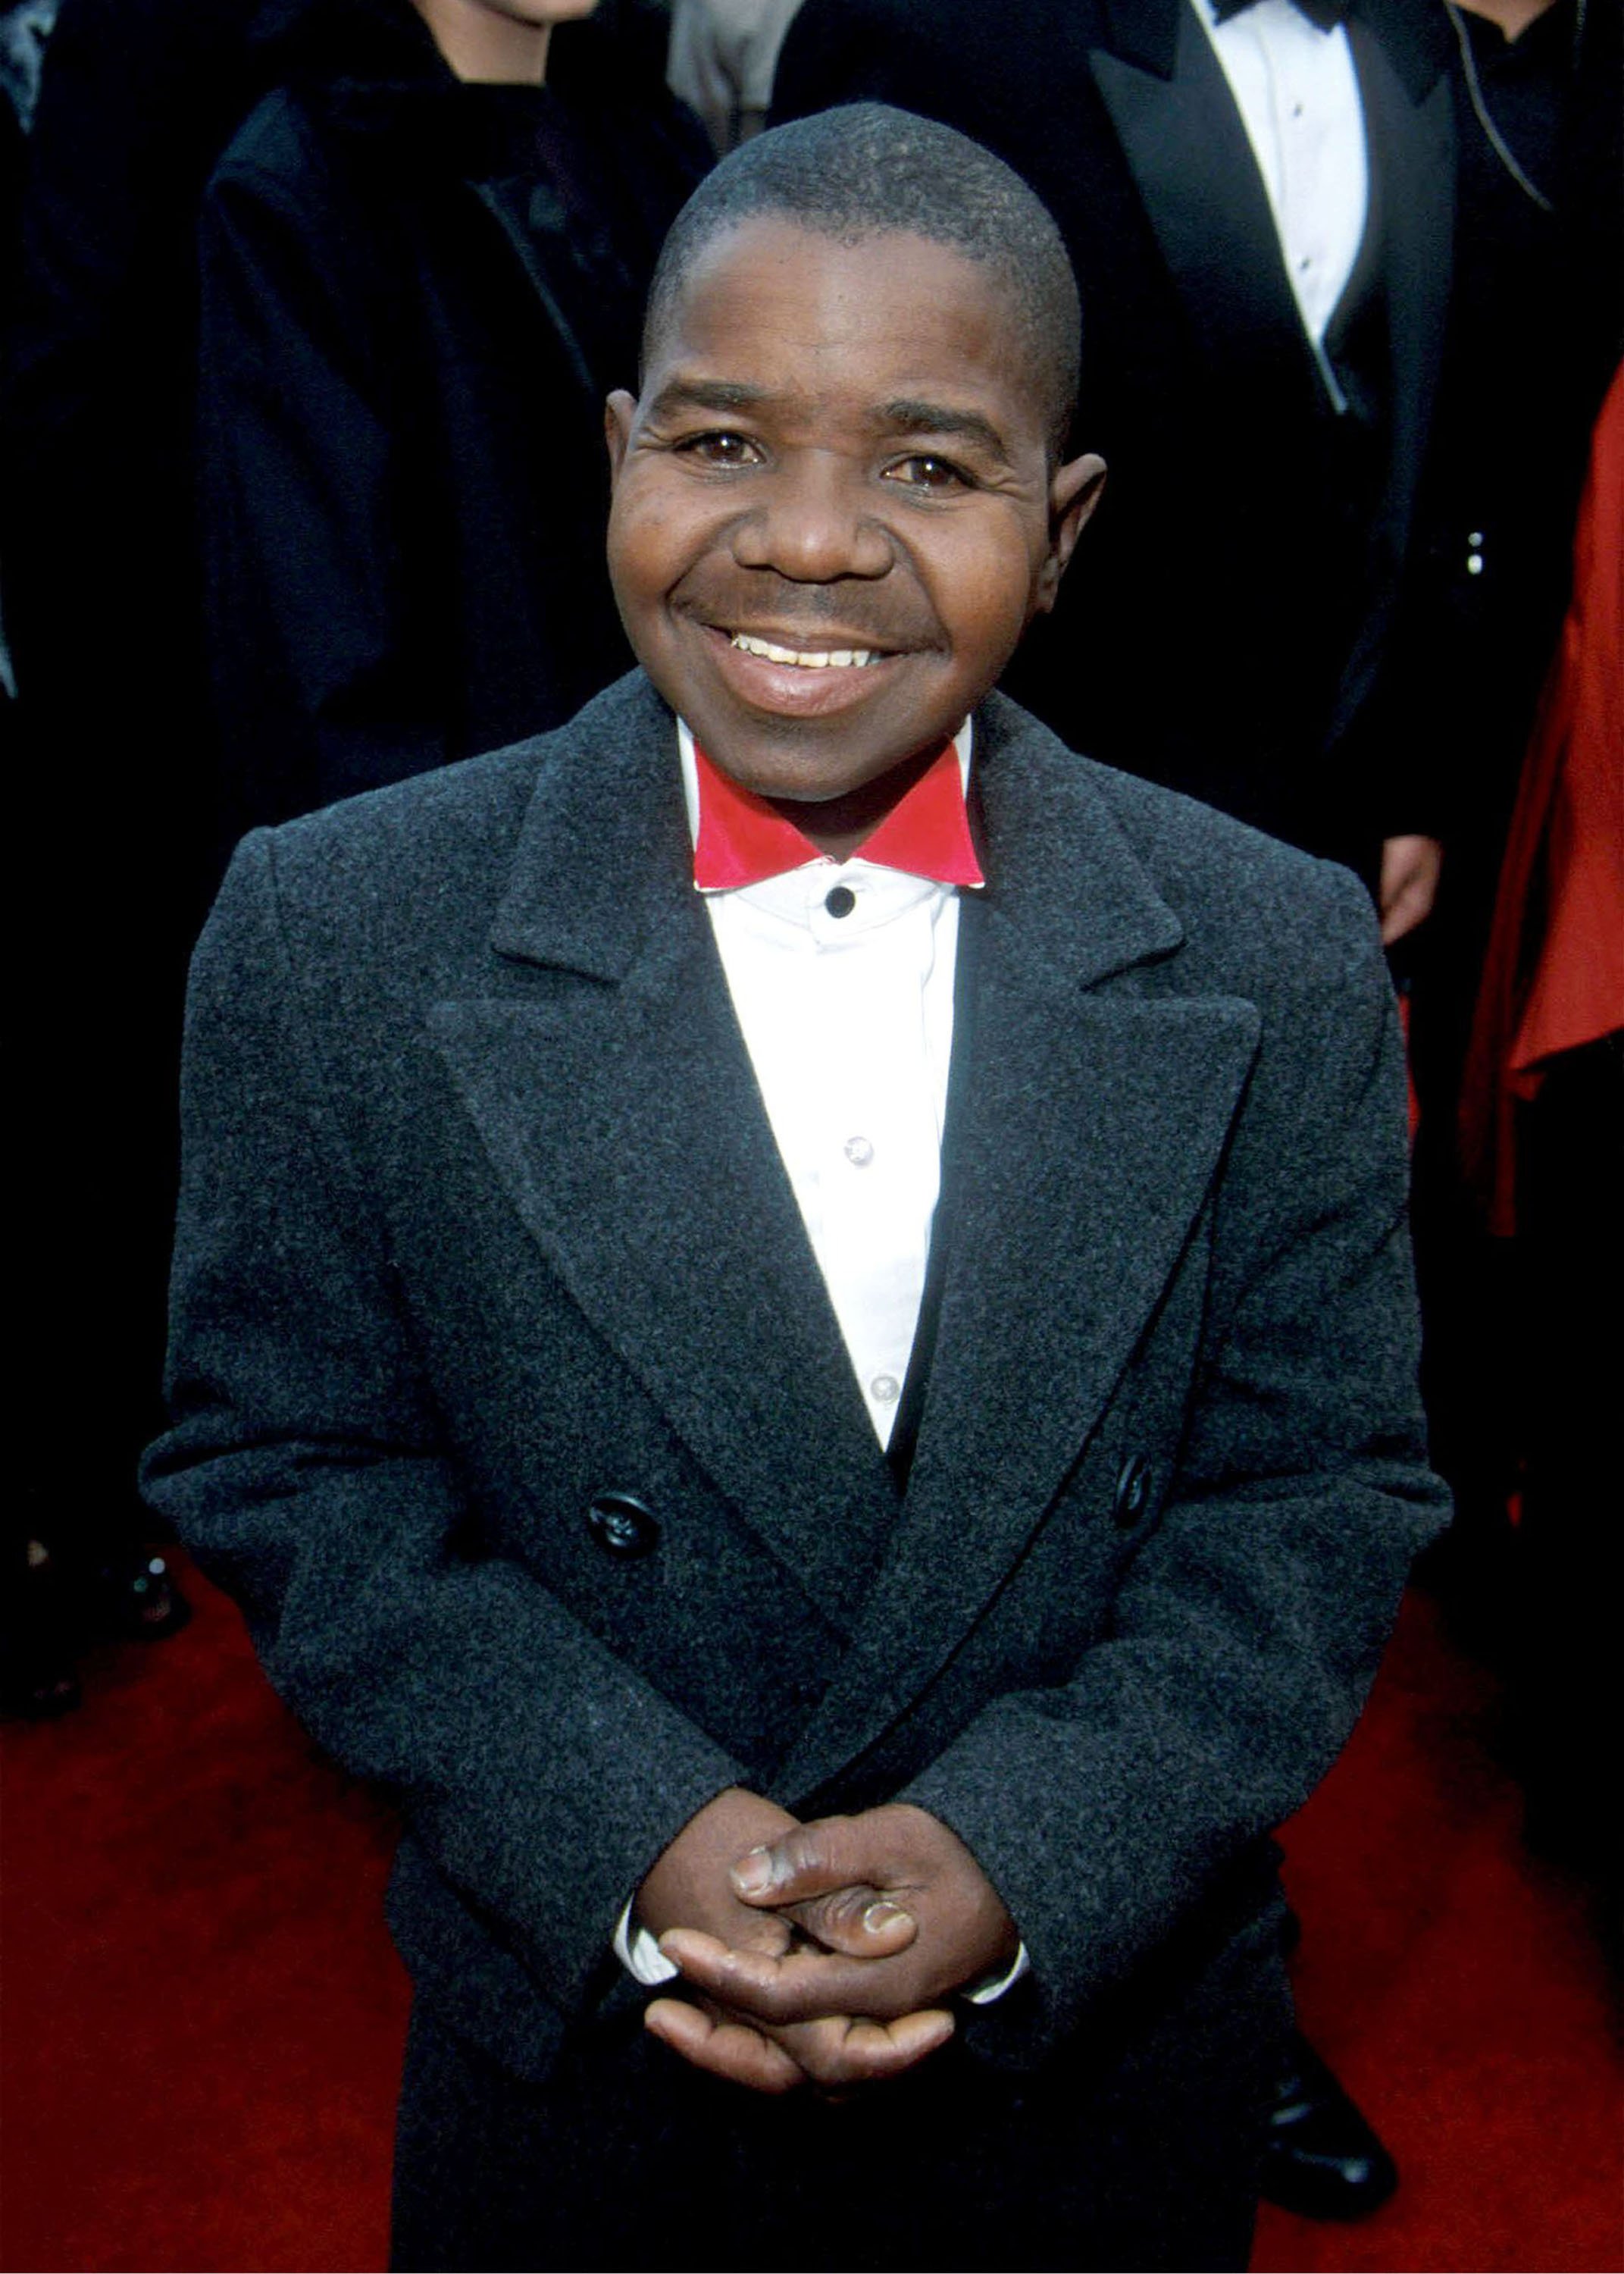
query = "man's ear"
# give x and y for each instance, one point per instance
(1073, 492)
(619, 412)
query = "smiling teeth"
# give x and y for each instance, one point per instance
(808, 658)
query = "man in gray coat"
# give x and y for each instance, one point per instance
(792, 1319)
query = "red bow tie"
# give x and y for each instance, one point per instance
(743, 839)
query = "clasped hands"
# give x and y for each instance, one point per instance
(818, 1951)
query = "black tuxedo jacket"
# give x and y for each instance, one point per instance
(1222, 625)
(483, 1220)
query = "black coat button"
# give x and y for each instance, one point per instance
(1132, 1491)
(622, 1524)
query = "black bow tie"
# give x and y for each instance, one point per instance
(1326, 14)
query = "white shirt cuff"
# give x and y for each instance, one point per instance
(640, 1954)
(989, 1992)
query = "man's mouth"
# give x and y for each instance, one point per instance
(807, 658)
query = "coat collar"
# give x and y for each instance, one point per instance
(603, 862)
(603, 866)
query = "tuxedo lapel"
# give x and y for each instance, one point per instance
(1410, 134)
(614, 1096)
(1186, 147)
(1096, 1113)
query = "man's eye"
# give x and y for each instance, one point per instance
(722, 447)
(926, 471)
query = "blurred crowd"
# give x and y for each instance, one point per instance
(310, 308)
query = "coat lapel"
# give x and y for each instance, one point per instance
(613, 1094)
(1095, 1119)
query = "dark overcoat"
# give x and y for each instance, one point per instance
(483, 1220)
(1245, 559)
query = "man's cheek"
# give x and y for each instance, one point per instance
(993, 613)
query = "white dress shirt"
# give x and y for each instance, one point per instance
(848, 1020)
(1297, 93)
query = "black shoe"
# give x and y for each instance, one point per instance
(132, 1599)
(1322, 2160)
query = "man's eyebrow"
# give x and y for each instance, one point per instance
(706, 395)
(908, 415)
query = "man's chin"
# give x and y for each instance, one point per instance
(806, 755)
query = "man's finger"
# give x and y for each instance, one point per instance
(807, 1985)
(725, 2048)
(842, 2050)
(837, 2052)
(808, 1861)
(858, 1922)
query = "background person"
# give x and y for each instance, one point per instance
(103, 530)
(423, 263)
(1536, 330)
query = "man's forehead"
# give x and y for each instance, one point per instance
(913, 336)
(777, 259)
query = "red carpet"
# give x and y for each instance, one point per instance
(203, 2017)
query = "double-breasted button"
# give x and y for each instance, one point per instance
(623, 1524)
(1132, 1491)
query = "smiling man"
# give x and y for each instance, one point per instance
(791, 1321)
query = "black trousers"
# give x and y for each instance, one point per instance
(628, 2158)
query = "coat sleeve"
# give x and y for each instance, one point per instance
(326, 683)
(1250, 1624)
(307, 1469)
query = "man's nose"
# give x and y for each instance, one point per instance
(812, 521)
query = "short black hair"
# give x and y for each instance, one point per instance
(866, 169)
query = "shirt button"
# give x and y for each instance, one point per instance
(840, 900)
(884, 1389)
(858, 1152)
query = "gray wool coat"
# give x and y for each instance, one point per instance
(483, 1219)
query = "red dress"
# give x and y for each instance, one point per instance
(1553, 978)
